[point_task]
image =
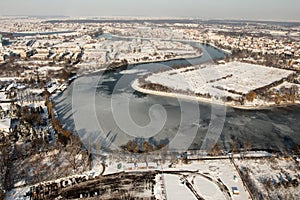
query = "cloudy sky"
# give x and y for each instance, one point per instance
(205, 9)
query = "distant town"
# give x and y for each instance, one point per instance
(41, 157)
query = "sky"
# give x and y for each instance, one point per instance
(283, 10)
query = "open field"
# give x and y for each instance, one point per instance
(230, 83)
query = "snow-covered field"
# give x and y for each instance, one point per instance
(273, 178)
(175, 189)
(235, 76)
(233, 80)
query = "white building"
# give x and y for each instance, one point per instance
(141, 165)
(130, 166)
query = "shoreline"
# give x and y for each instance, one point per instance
(167, 60)
(135, 85)
(225, 50)
(86, 73)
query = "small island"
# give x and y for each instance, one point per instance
(235, 84)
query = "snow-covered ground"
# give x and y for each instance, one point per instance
(207, 189)
(274, 178)
(19, 193)
(287, 85)
(219, 81)
(134, 71)
(236, 76)
(48, 68)
(211, 179)
(206, 176)
(9, 78)
(175, 189)
(215, 169)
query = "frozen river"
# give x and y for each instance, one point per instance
(103, 108)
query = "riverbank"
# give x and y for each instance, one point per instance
(177, 40)
(135, 85)
(225, 50)
(107, 69)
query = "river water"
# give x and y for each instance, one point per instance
(96, 106)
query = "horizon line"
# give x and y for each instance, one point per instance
(140, 17)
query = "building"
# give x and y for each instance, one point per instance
(130, 166)
(152, 165)
(141, 166)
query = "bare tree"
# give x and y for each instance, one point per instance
(75, 153)
(234, 146)
(247, 147)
